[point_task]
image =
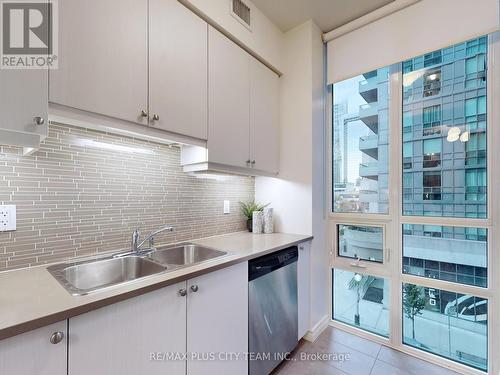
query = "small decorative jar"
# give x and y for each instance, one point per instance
(268, 220)
(258, 222)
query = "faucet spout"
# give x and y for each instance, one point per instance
(136, 246)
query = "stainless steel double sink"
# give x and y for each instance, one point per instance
(83, 277)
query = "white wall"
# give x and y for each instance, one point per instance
(291, 194)
(297, 196)
(265, 39)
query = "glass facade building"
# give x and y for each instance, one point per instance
(444, 132)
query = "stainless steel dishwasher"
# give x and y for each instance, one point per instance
(272, 303)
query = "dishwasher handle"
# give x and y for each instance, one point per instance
(268, 263)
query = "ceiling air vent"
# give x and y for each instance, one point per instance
(241, 12)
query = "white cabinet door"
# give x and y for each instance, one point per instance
(228, 110)
(32, 353)
(103, 58)
(123, 338)
(217, 320)
(264, 118)
(178, 69)
(303, 288)
(24, 96)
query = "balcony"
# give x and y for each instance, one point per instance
(369, 145)
(368, 90)
(369, 170)
(368, 113)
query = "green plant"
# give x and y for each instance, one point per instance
(413, 303)
(248, 208)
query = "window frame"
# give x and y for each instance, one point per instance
(362, 264)
(394, 220)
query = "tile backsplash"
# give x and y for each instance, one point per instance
(85, 191)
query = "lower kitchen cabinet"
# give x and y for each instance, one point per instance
(39, 352)
(217, 321)
(126, 337)
(203, 317)
(303, 288)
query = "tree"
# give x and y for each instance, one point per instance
(357, 282)
(413, 303)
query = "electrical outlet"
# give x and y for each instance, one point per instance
(227, 207)
(7, 218)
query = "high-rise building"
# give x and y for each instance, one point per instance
(339, 111)
(444, 132)
(444, 160)
(373, 170)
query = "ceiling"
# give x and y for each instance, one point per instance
(328, 14)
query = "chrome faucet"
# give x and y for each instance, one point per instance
(136, 237)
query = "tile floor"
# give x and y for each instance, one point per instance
(365, 358)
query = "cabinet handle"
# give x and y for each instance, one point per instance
(252, 162)
(144, 113)
(194, 288)
(248, 162)
(156, 117)
(183, 292)
(56, 337)
(38, 120)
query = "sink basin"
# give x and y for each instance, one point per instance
(87, 276)
(185, 255)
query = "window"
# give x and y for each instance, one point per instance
(445, 323)
(361, 143)
(408, 187)
(433, 58)
(475, 185)
(432, 185)
(476, 46)
(432, 82)
(407, 155)
(408, 66)
(361, 301)
(407, 125)
(447, 253)
(475, 113)
(475, 71)
(361, 242)
(435, 244)
(431, 119)
(432, 152)
(475, 150)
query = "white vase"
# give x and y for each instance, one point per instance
(268, 220)
(258, 222)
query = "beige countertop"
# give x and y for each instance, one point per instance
(32, 298)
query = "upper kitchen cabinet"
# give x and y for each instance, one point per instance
(264, 118)
(24, 101)
(103, 58)
(243, 119)
(24, 108)
(178, 69)
(229, 96)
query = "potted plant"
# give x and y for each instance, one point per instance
(248, 208)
